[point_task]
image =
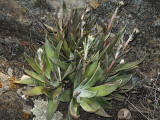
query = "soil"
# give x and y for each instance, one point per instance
(19, 31)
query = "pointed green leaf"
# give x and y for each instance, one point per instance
(60, 64)
(105, 89)
(48, 68)
(68, 71)
(89, 105)
(76, 20)
(109, 98)
(34, 75)
(50, 109)
(64, 9)
(65, 96)
(66, 49)
(87, 94)
(96, 76)
(73, 108)
(77, 78)
(58, 48)
(92, 106)
(118, 96)
(90, 69)
(102, 113)
(97, 27)
(49, 51)
(28, 81)
(124, 79)
(104, 27)
(49, 27)
(57, 92)
(69, 114)
(127, 65)
(103, 102)
(53, 102)
(125, 89)
(103, 52)
(34, 91)
(32, 63)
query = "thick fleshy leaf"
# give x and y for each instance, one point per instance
(62, 65)
(28, 81)
(102, 112)
(77, 79)
(49, 27)
(92, 106)
(50, 109)
(85, 94)
(65, 96)
(48, 93)
(34, 91)
(118, 96)
(64, 8)
(105, 89)
(32, 63)
(103, 102)
(34, 75)
(69, 114)
(48, 67)
(90, 69)
(103, 52)
(71, 76)
(58, 48)
(76, 20)
(125, 89)
(127, 65)
(72, 44)
(96, 76)
(109, 98)
(66, 49)
(95, 57)
(89, 105)
(73, 108)
(124, 79)
(53, 38)
(49, 51)
(57, 92)
(68, 71)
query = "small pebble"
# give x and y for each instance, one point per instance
(124, 114)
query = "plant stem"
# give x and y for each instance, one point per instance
(111, 65)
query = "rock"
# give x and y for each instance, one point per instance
(39, 110)
(10, 72)
(58, 116)
(4, 80)
(124, 114)
(11, 106)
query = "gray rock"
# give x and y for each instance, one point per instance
(39, 111)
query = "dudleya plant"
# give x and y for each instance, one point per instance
(80, 66)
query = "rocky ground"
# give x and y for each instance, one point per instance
(20, 30)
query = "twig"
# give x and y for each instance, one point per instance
(137, 109)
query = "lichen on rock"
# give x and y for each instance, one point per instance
(39, 110)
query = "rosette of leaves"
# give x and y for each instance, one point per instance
(80, 66)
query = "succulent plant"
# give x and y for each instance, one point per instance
(80, 65)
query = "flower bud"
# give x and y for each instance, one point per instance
(122, 61)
